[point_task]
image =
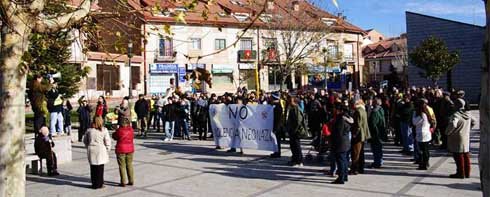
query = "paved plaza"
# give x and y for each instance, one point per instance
(195, 168)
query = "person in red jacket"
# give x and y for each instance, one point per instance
(124, 136)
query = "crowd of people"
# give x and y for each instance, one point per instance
(340, 124)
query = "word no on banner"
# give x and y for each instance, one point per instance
(243, 126)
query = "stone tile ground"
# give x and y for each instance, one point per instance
(194, 168)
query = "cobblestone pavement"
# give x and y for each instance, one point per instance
(195, 168)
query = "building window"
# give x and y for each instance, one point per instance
(332, 51)
(348, 51)
(165, 47)
(196, 43)
(270, 43)
(246, 44)
(108, 77)
(135, 76)
(219, 44)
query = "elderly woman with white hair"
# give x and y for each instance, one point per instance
(458, 139)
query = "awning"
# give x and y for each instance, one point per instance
(222, 68)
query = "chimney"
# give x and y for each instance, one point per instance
(270, 4)
(295, 5)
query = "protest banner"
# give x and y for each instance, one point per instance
(243, 126)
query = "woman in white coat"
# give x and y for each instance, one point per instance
(423, 136)
(98, 143)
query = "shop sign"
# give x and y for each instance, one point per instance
(164, 68)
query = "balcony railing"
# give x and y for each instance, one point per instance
(167, 56)
(270, 56)
(247, 55)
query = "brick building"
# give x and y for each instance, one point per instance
(464, 38)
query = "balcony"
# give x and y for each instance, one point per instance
(167, 56)
(270, 56)
(247, 55)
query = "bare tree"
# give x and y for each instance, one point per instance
(297, 34)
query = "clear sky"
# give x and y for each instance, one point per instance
(388, 16)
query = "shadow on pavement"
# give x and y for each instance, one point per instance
(68, 180)
(460, 186)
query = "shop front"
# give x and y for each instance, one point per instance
(336, 78)
(247, 76)
(162, 77)
(223, 78)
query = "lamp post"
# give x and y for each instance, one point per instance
(130, 47)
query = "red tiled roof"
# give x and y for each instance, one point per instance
(384, 49)
(307, 12)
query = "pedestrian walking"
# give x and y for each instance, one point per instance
(124, 137)
(458, 139)
(98, 144)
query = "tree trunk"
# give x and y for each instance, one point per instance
(12, 112)
(484, 156)
(449, 79)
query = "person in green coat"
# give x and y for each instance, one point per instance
(377, 127)
(360, 133)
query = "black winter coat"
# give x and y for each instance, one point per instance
(340, 133)
(142, 108)
(84, 117)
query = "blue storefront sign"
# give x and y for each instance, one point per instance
(164, 68)
(194, 66)
(182, 75)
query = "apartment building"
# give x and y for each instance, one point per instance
(240, 44)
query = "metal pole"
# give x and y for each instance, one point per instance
(325, 79)
(257, 65)
(130, 47)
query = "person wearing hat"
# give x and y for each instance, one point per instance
(43, 146)
(458, 139)
(83, 117)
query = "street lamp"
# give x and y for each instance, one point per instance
(130, 47)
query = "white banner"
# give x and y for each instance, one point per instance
(243, 126)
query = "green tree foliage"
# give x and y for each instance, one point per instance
(49, 53)
(433, 56)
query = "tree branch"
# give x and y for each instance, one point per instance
(54, 24)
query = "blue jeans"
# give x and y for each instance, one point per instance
(169, 129)
(185, 126)
(377, 148)
(407, 137)
(341, 160)
(56, 123)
